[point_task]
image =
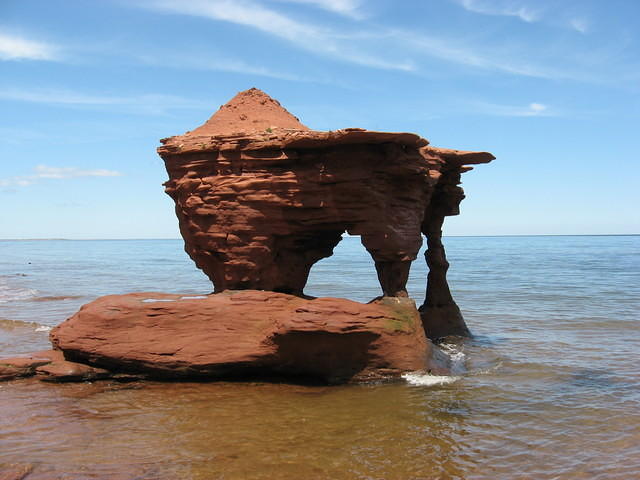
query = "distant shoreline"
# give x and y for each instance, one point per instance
(444, 236)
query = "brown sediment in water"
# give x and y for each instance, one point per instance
(265, 431)
(54, 298)
(8, 324)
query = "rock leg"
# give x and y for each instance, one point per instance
(393, 277)
(393, 255)
(293, 257)
(440, 315)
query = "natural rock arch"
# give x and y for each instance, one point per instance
(260, 198)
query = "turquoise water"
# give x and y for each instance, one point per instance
(550, 386)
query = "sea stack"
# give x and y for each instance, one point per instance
(260, 198)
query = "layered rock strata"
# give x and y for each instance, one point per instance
(249, 333)
(260, 198)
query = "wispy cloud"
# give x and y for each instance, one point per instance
(529, 12)
(348, 8)
(57, 173)
(209, 62)
(148, 104)
(507, 8)
(303, 35)
(373, 45)
(534, 109)
(579, 24)
(44, 171)
(13, 47)
(490, 59)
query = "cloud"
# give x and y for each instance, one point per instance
(491, 59)
(579, 25)
(368, 46)
(148, 104)
(208, 62)
(534, 109)
(58, 173)
(43, 171)
(303, 35)
(347, 8)
(521, 10)
(17, 48)
(507, 8)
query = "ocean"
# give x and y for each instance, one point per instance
(548, 387)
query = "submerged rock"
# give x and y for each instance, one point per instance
(50, 366)
(241, 334)
(65, 371)
(26, 366)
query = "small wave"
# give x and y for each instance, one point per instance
(488, 370)
(8, 294)
(153, 300)
(6, 324)
(193, 297)
(457, 367)
(456, 356)
(43, 328)
(426, 379)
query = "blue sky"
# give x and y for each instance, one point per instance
(552, 89)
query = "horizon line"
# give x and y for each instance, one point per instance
(450, 236)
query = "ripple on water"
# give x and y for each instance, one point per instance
(549, 389)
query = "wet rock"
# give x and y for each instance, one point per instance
(260, 198)
(65, 371)
(26, 366)
(249, 333)
(15, 472)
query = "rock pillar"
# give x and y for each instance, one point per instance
(440, 314)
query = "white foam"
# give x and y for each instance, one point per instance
(9, 293)
(194, 297)
(153, 300)
(456, 357)
(457, 368)
(42, 328)
(428, 380)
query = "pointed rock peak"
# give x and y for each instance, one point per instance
(251, 111)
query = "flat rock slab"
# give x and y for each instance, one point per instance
(26, 366)
(249, 333)
(64, 371)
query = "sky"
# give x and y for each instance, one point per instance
(552, 89)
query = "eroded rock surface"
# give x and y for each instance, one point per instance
(249, 333)
(50, 366)
(260, 198)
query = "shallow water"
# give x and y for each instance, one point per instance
(548, 388)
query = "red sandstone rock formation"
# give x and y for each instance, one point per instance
(50, 366)
(244, 333)
(260, 198)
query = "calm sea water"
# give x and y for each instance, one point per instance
(548, 388)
